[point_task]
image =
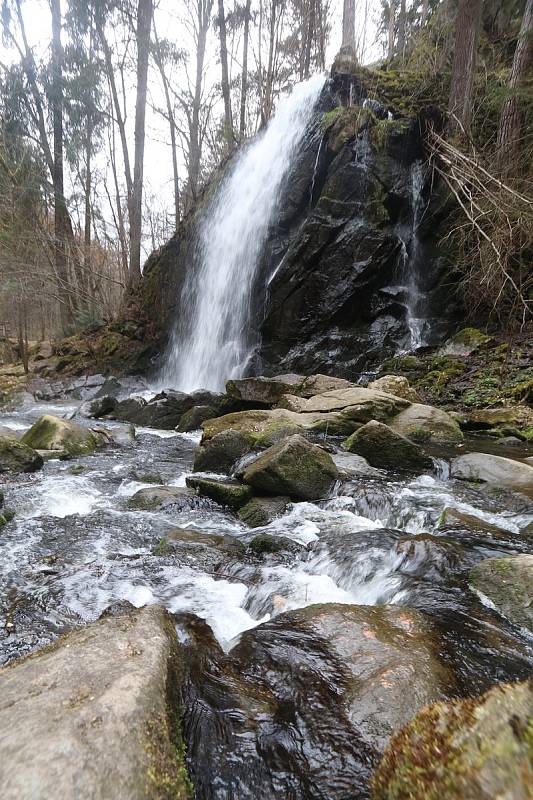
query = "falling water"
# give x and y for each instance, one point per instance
(215, 344)
(415, 320)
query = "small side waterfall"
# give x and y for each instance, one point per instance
(214, 343)
(415, 320)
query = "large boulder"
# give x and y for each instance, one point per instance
(220, 452)
(383, 447)
(65, 436)
(260, 511)
(192, 419)
(304, 704)
(163, 498)
(474, 749)
(364, 404)
(225, 492)
(422, 423)
(264, 391)
(494, 469)
(96, 714)
(16, 456)
(507, 585)
(293, 467)
(261, 428)
(397, 385)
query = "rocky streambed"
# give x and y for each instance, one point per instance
(325, 580)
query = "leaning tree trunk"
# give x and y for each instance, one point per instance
(348, 24)
(464, 65)
(228, 121)
(510, 130)
(144, 24)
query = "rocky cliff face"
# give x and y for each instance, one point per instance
(353, 256)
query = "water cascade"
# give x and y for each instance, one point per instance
(412, 260)
(214, 343)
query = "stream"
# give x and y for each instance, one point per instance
(75, 547)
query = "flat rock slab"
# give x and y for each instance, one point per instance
(88, 717)
(494, 469)
(372, 403)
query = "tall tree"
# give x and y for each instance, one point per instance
(144, 24)
(464, 64)
(202, 20)
(228, 121)
(244, 79)
(392, 23)
(510, 128)
(348, 24)
(401, 28)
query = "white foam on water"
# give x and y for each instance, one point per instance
(61, 496)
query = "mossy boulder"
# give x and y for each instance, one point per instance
(293, 467)
(161, 498)
(15, 456)
(347, 125)
(480, 748)
(225, 492)
(220, 452)
(97, 714)
(507, 584)
(264, 391)
(261, 511)
(396, 385)
(53, 433)
(6, 515)
(466, 342)
(419, 422)
(359, 403)
(384, 448)
(495, 470)
(261, 428)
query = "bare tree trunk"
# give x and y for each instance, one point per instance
(392, 21)
(511, 120)
(309, 38)
(321, 36)
(172, 127)
(267, 104)
(401, 29)
(228, 121)
(60, 210)
(144, 24)
(203, 10)
(348, 24)
(244, 82)
(464, 65)
(425, 11)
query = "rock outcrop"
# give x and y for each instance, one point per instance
(64, 436)
(383, 447)
(507, 585)
(494, 469)
(96, 714)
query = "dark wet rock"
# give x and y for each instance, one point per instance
(129, 410)
(384, 448)
(266, 544)
(219, 452)
(351, 465)
(294, 467)
(193, 418)
(495, 470)
(261, 511)
(111, 388)
(225, 492)
(188, 547)
(473, 749)
(53, 433)
(16, 456)
(95, 714)
(101, 406)
(304, 704)
(507, 585)
(163, 498)
(422, 423)
(164, 410)
(147, 477)
(265, 391)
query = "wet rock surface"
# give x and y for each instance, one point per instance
(507, 584)
(383, 447)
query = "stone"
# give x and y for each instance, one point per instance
(260, 511)
(505, 417)
(294, 467)
(465, 342)
(53, 433)
(320, 689)
(16, 456)
(351, 465)
(162, 498)
(225, 492)
(365, 404)
(494, 469)
(266, 544)
(261, 428)
(220, 452)
(196, 549)
(421, 423)
(266, 391)
(507, 584)
(474, 749)
(165, 410)
(384, 448)
(129, 410)
(193, 418)
(96, 714)
(101, 406)
(397, 385)
(318, 384)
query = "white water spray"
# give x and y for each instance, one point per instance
(217, 295)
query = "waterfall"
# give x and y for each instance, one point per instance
(411, 256)
(215, 344)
